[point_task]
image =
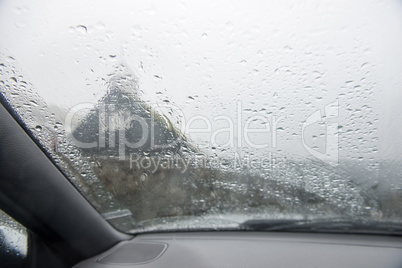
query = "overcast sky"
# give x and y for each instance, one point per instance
(279, 60)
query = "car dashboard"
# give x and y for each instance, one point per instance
(251, 249)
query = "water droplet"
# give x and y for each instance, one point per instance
(100, 26)
(143, 176)
(81, 29)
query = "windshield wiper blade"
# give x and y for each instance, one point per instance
(341, 225)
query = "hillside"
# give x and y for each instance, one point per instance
(152, 169)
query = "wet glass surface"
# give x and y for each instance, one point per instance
(205, 115)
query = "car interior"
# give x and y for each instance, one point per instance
(66, 231)
(52, 215)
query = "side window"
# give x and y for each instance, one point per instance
(13, 242)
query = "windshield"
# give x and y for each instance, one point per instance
(176, 115)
